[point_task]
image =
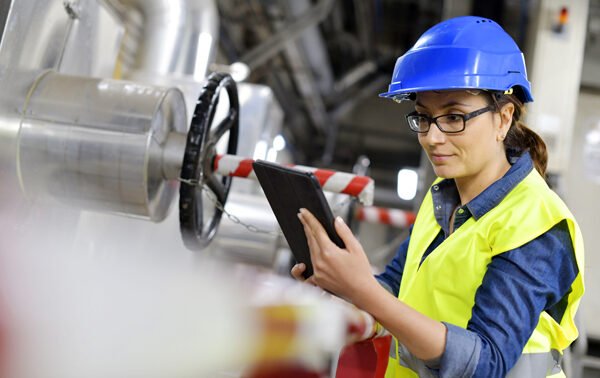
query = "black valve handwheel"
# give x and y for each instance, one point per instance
(198, 160)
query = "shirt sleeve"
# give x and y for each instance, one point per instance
(516, 288)
(391, 277)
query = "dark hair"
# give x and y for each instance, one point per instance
(520, 136)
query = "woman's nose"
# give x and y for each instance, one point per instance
(434, 135)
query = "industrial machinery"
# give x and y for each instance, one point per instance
(80, 137)
(109, 136)
(121, 147)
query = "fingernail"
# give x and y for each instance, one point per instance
(302, 210)
(299, 216)
(339, 220)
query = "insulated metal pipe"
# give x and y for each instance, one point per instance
(177, 37)
(102, 144)
(168, 43)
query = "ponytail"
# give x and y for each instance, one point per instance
(521, 137)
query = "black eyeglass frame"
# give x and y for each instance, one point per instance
(465, 118)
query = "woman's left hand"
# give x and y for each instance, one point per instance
(345, 272)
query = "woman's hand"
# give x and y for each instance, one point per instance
(345, 272)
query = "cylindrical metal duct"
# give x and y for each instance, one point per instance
(168, 43)
(177, 38)
(98, 144)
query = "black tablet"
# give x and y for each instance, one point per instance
(288, 189)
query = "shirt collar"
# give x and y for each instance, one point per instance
(445, 192)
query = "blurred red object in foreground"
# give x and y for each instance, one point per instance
(365, 359)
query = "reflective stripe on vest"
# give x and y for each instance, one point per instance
(407, 366)
(529, 365)
(537, 365)
(460, 262)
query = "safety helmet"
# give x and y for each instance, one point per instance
(462, 52)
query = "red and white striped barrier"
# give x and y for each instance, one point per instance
(332, 181)
(392, 217)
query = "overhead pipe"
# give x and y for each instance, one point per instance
(283, 40)
(315, 49)
(278, 41)
(177, 37)
(356, 74)
(168, 43)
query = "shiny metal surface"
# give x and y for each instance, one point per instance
(177, 37)
(24, 52)
(41, 35)
(172, 155)
(94, 34)
(168, 43)
(97, 144)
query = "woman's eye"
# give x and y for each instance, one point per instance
(453, 117)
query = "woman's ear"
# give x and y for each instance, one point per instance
(506, 116)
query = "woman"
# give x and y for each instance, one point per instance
(489, 280)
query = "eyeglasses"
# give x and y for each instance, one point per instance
(447, 123)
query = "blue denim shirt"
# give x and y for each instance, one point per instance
(518, 284)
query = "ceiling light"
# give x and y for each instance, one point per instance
(407, 183)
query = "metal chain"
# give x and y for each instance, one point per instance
(211, 196)
(250, 227)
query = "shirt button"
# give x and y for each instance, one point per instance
(438, 207)
(460, 211)
(435, 187)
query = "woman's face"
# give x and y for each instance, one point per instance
(466, 154)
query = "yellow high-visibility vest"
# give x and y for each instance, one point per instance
(444, 286)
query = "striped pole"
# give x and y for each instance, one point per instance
(393, 217)
(332, 181)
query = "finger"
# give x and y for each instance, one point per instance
(316, 227)
(297, 271)
(345, 233)
(313, 246)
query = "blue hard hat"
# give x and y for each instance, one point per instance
(462, 52)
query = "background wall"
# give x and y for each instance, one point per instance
(554, 60)
(582, 196)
